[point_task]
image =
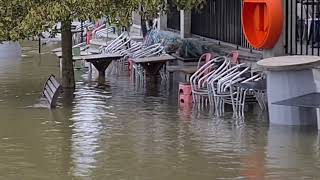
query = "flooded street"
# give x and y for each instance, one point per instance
(123, 132)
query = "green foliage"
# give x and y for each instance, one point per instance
(12, 13)
(189, 4)
(25, 18)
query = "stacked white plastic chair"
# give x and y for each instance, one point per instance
(150, 51)
(223, 93)
(245, 95)
(200, 79)
(120, 43)
(117, 46)
(104, 32)
(134, 47)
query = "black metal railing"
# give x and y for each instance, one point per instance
(302, 27)
(220, 20)
(173, 21)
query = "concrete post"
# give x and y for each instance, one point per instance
(279, 48)
(136, 19)
(163, 21)
(185, 24)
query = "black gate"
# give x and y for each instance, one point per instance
(302, 27)
(220, 20)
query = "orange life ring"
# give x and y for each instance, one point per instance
(262, 22)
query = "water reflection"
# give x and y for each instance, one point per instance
(120, 131)
(89, 110)
(295, 149)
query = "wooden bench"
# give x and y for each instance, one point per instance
(51, 91)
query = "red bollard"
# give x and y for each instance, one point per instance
(185, 93)
(89, 37)
(130, 64)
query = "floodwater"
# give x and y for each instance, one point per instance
(122, 132)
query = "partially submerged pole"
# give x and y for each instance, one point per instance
(67, 63)
(39, 44)
(81, 31)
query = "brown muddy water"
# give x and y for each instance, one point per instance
(123, 132)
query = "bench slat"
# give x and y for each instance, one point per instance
(54, 82)
(48, 97)
(51, 86)
(56, 96)
(48, 92)
(51, 91)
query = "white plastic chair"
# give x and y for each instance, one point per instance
(199, 80)
(154, 50)
(221, 91)
(245, 95)
(117, 44)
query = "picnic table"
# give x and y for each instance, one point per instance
(152, 65)
(59, 55)
(82, 53)
(100, 62)
(82, 48)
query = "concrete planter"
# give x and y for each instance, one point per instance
(10, 50)
(186, 61)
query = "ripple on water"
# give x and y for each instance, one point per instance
(119, 131)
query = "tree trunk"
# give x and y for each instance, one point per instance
(68, 81)
(144, 28)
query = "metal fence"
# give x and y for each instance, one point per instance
(220, 20)
(173, 17)
(302, 27)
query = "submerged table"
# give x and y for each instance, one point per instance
(82, 53)
(59, 55)
(60, 49)
(100, 62)
(152, 65)
(289, 77)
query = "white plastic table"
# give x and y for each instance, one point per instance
(289, 77)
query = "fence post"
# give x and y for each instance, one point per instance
(163, 22)
(185, 24)
(39, 42)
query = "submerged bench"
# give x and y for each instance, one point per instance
(51, 91)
